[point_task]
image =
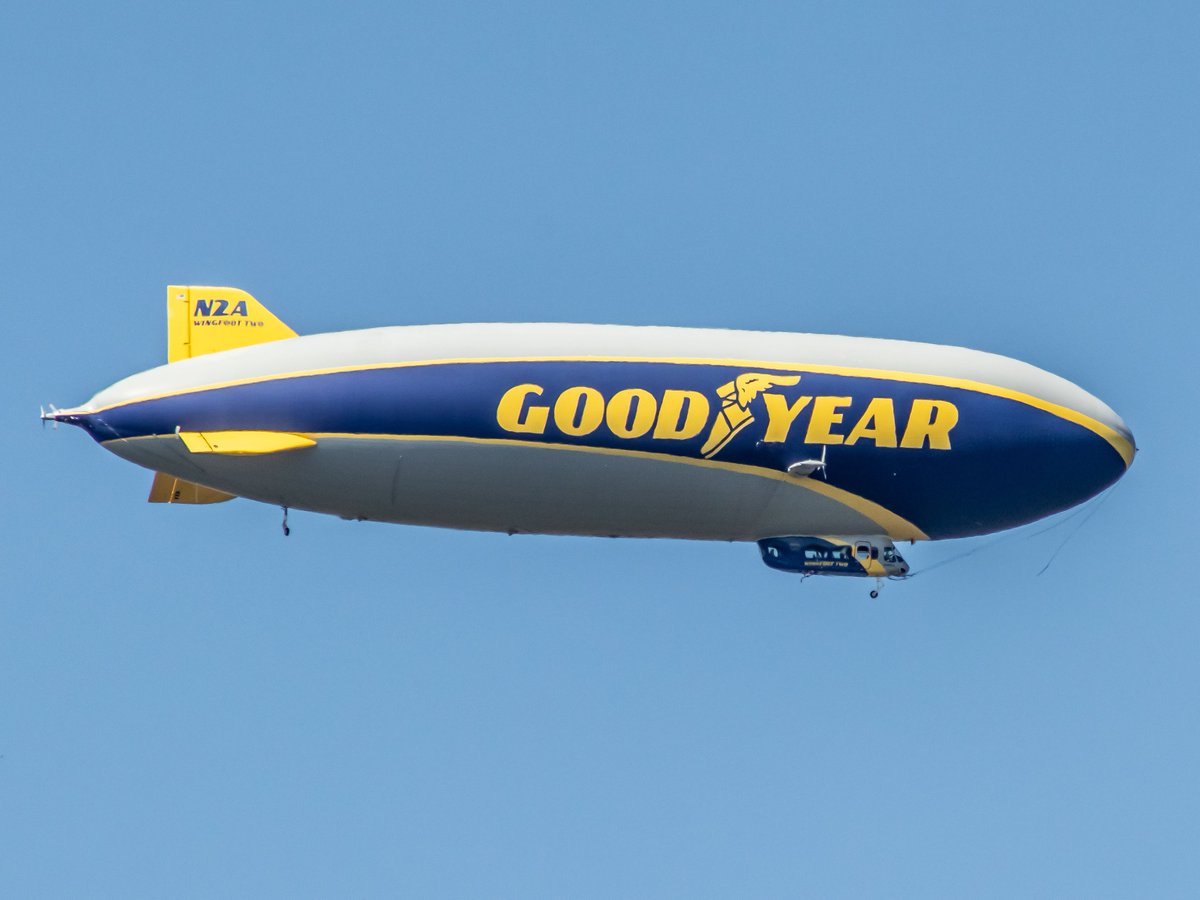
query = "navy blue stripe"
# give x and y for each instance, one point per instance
(1010, 463)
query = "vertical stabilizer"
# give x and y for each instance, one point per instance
(210, 319)
(169, 489)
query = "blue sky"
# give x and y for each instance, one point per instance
(191, 705)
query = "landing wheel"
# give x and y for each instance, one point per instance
(874, 594)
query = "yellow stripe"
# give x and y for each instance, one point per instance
(1117, 440)
(896, 527)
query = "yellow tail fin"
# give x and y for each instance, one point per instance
(243, 443)
(209, 319)
(169, 489)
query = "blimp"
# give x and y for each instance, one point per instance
(824, 450)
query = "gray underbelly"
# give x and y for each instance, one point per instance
(511, 487)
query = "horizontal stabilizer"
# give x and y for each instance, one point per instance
(169, 489)
(210, 319)
(243, 443)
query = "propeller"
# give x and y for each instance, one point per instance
(806, 467)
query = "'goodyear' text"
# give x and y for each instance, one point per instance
(678, 415)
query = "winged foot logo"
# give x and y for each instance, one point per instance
(680, 415)
(734, 414)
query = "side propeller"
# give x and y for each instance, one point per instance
(806, 467)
